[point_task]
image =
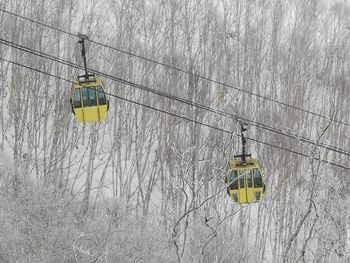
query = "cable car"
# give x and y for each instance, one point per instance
(244, 180)
(89, 102)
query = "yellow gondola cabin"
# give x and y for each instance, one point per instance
(89, 101)
(245, 181)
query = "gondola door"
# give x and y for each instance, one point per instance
(249, 186)
(242, 189)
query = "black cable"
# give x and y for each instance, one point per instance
(181, 117)
(172, 97)
(181, 70)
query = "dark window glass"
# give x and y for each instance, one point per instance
(257, 178)
(250, 178)
(101, 96)
(92, 97)
(233, 180)
(257, 196)
(84, 93)
(241, 179)
(235, 197)
(77, 100)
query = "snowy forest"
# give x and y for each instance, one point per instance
(148, 183)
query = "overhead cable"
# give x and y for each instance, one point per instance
(182, 70)
(183, 117)
(175, 98)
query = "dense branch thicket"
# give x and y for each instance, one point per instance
(147, 187)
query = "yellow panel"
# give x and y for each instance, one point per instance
(91, 114)
(98, 82)
(258, 192)
(79, 114)
(250, 190)
(242, 192)
(103, 112)
(234, 193)
(242, 195)
(250, 162)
